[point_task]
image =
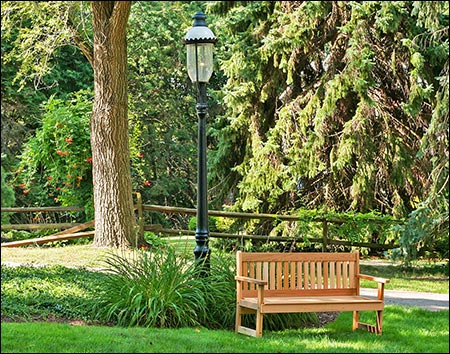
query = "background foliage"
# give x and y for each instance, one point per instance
(335, 106)
(330, 104)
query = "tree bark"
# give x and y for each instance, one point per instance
(114, 213)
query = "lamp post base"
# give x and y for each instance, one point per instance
(202, 253)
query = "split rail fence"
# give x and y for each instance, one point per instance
(74, 230)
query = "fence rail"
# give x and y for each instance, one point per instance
(71, 228)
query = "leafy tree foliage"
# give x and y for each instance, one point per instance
(49, 26)
(28, 81)
(22, 92)
(162, 127)
(55, 164)
(333, 103)
(8, 198)
(162, 117)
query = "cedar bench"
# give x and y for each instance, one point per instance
(302, 282)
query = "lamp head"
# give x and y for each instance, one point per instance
(199, 43)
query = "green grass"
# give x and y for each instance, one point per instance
(424, 277)
(406, 330)
(49, 292)
(68, 256)
(67, 290)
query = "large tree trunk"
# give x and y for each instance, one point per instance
(113, 203)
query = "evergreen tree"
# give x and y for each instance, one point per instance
(335, 104)
(329, 102)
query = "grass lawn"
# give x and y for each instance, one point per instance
(62, 291)
(405, 330)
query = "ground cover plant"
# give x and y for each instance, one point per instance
(49, 293)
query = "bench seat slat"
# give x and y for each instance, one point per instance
(315, 304)
(301, 300)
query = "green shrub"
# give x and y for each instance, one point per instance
(157, 288)
(154, 241)
(212, 220)
(55, 166)
(220, 295)
(163, 288)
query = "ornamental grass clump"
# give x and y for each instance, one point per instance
(157, 288)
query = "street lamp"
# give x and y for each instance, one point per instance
(199, 43)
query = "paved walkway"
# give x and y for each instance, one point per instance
(428, 301)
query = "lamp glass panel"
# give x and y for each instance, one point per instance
(200, 61)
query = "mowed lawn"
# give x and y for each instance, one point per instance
(405, 329)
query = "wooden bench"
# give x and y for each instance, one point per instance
(302, 282)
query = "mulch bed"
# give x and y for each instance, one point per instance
(325, 317)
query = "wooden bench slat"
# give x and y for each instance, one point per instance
(258, 269)
(285, 275)
(325, 275)
(278, 275)
(265, 272)
(305, 275)
(251, 274)
(301, 292)
(319, 275)
(352, 275)
(332, 275)
(345, 274)
(272, 276)
(338, 274)
(305, 300)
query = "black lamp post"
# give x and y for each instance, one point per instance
(199, 43)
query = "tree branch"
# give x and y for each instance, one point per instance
(85, 48)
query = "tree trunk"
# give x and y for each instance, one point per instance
(114, 214)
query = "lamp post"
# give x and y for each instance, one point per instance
(199, 43)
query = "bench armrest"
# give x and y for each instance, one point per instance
(250, 280)
(380, 281)
(258, 282)
(376, 279)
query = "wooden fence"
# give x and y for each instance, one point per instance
(72, 230)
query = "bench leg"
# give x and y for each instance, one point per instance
(259, 323)
(257, 332)
(238, 318)
(377, 329)
(379, 322)
(355, 320)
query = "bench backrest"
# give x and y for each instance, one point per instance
(299, 274)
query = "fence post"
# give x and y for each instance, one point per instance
(324, 235)
(140, 215)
